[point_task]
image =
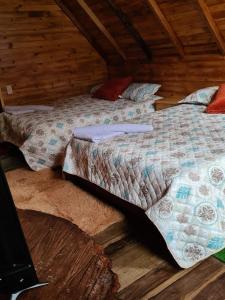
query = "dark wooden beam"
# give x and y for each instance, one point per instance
(130, 28)
(212, 25)
(101, 27)
(154, 6)
(67, 8)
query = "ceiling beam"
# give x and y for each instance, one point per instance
(67, 9)
(130, 28)
(212, 25)
(166, 25)
(101, 27)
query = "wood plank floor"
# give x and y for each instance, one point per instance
(74, 266)
(147, 271)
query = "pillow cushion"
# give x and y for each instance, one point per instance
(202, 96)
(151, 98)
(95, 88)
(112, 88)
(218, 103)
(140, 91)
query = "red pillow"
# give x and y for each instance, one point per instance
(217, 106)
(112, 88)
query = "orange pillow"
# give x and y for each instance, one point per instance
(112, 88)
(217, 106)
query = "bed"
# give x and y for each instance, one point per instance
(43, 136)
(175, 174)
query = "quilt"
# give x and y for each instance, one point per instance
(43, 136)
(176, 174)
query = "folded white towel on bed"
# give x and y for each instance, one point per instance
(97, 133)
(22, 109)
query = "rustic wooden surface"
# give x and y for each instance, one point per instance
(140, 258)
(198, 30)
(170, 28)
(43, 55)
(166, 25)
(130, 28)
(67, 258)
(166, 102)
(101, 27)
(147, 271)
(145, 268)
(212, 25)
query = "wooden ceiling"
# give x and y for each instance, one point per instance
(143, 30)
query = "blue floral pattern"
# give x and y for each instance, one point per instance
(176, 174)
(202, 96)
(42, 137)
(140, 91)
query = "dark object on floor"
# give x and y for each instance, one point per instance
(68, 259)
(10, 157)
(16, 267)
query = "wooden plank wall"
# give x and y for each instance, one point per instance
(177, 77)
(203, 62)
(42, 54)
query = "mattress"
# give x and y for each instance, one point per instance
(43, 136)
(176, 174)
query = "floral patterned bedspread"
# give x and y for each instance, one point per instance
(43, 136)
(176, 174)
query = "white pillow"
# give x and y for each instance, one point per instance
(153, 98)
(140, 91)
(202, 96)
(148, 97)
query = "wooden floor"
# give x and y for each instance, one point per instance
(145, 268)
(74, 266)
(142, 262)
(147, 271)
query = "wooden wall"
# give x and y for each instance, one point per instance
(202, 63)
(179, 77)
(42, 54)
(179, 43)
(186, 39)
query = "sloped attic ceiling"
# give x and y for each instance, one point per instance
(140, 30)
